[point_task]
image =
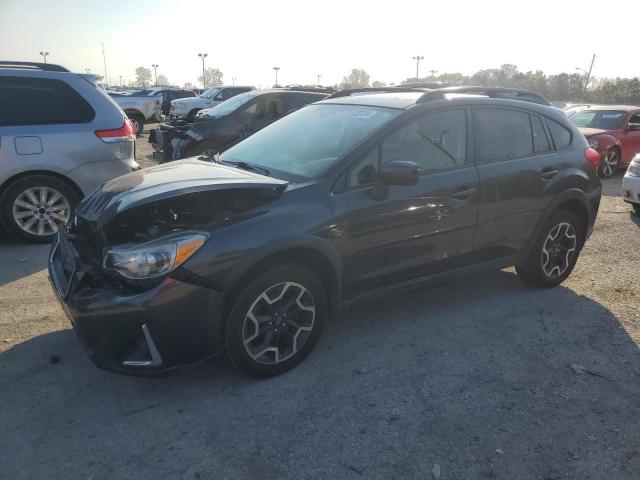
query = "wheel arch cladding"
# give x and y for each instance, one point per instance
(308, 257)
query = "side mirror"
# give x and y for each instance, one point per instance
(633, 126)
(399, 172)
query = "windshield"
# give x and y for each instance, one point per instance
(310, 140)
(228, 106)
(212, 92)
(602, 119)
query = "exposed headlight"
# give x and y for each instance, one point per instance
(154, 258)
(593, 143)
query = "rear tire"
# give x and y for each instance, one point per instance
(609, 164)
(555, 252)
(276, 320)
(32, 207)
(137, 121)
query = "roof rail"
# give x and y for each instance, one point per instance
(389, 89)
(491, 92)
(47, 67)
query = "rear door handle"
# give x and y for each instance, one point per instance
(463, 193)
(548, 173)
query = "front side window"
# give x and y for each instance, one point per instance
(601, 119)
(502, 135)
(41, 101)
(310, 140)
(435, 142)
(212, 92)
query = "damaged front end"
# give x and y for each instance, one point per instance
(120, 268)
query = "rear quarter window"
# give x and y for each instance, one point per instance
(41, 101)
(561, 135)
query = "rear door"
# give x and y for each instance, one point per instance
(402, 232)
(519, 173)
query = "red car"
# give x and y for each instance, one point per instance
(612, 130)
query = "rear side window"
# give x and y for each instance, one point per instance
(561, 135)
(502, 135)
(41, 101)
(540, 140)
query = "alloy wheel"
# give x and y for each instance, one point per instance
(39, 210)
(558, 249)
(278, 323)
(609, 163)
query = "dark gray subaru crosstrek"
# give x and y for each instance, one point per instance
(249, 253)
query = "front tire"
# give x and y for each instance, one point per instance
(555, 252)
(32, 207)
(276, 320)
(609, 164)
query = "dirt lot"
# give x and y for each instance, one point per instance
(478, 378)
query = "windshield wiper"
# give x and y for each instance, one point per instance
(243, 165)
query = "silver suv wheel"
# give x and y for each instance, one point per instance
(38, 210)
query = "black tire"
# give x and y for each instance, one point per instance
(137, 121)
(191, 116)
(236, 331)
(204, 147)
(532, 271)
(636, 208)
(17, 188)
(609, 164)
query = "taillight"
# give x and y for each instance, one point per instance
(122, 134)
(592, 156)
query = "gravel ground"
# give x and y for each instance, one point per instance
(477, 378)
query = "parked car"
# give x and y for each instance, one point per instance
(60, 138)
(612, 130)
(170, 95)
(572, 108)
(631, 184)
(343, 198)
(216, 128)
(140, 109)
(186, 108)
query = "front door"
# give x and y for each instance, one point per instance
(397, 233)
(630, 138)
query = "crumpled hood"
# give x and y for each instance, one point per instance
(589, 132)
(165, 181)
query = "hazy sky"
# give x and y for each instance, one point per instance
(245, 39)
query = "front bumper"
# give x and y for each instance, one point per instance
(145, 333)
(631, 189)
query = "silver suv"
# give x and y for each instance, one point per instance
(60, 138)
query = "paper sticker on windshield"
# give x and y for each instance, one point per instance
(360, 113)
(612, 115)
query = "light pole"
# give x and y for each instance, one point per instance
(155, 72)
(233, 80)
(204, 80)
(433, 73)
(121, 80)
(588, 73)
(417, 59)
(87, 70)
(44, 55)
(318, 75)
(275, 69)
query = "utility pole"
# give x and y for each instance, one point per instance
(44, 55)
(318, 75)
(417, 58)
(588, 73)
(204, 80)
(275, 69)
(104, 60)
(155, 72)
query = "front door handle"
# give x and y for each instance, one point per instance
(548, 173)
(463, 193)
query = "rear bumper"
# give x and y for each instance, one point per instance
(145, 333)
